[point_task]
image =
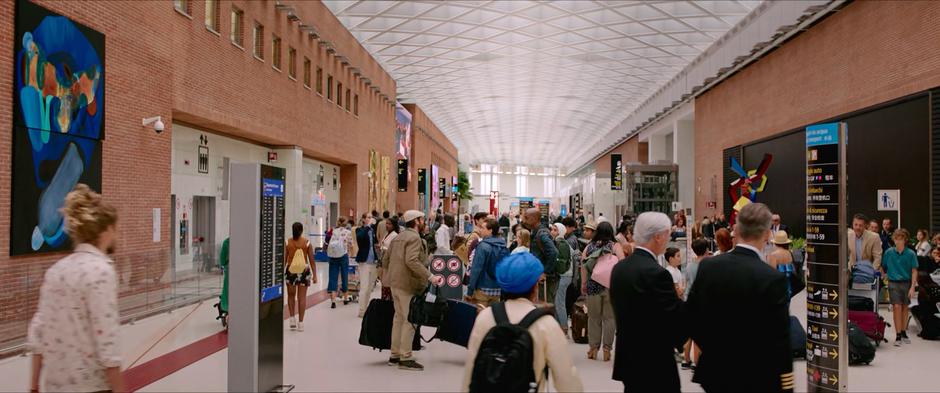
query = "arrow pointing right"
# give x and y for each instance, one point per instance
(833, 335)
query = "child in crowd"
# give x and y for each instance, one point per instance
(523, 239)
(900, 263)
(673, 261)
(701, 249)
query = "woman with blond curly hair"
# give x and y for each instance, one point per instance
(74, 334)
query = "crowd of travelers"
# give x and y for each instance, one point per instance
(528, 276)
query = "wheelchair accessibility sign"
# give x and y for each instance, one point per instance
(889, 200)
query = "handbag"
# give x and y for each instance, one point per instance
(427, 309)
(603, 268)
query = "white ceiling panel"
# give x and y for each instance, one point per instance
(507, 81)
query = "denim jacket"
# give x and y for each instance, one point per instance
(490, 251)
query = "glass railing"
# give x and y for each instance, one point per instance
(148, 283)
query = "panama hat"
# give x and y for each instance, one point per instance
(781, 238)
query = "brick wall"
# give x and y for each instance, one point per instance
(430, 146)
(632, 150)
(161, 62)
(868, 53)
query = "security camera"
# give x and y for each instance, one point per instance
(158, 125)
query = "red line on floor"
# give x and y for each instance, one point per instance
(154, 370)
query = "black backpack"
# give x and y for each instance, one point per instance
(504, 360)
(861, 348)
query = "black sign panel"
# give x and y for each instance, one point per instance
(822, 174)
(820, 233)
(822, 193)
(616, 172)
(824, 235)
(821, 214)
(422, 181)
(442, 187)
(402, 175)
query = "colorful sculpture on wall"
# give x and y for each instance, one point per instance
(744, 189)
(58, 123)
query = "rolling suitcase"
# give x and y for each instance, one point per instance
(376, 331)
(458, 323)
(797, 338)
(579, 323)
(872, 324)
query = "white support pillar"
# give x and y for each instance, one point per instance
(685, 158)
(291, 158)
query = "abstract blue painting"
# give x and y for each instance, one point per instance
(58, 123)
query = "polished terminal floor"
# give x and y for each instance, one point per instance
(183, 351)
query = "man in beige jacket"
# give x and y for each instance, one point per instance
(406, 272)
(864, 245)
(518, 276)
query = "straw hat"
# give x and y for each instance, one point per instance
(781, 238)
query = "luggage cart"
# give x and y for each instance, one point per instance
(353, 281)
(870, 290)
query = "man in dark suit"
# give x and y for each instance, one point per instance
(776, 226)
(739, 314)
(648, 312)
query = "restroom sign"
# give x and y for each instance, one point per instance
(889, 200)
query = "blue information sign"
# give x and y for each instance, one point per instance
(272, 187)
(822, 134)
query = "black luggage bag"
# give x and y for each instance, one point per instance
(929, 322)
(861, 348)
(376, 329)
(797, 338)
(458, 323)
(860, 303)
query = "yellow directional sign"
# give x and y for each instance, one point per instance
(834, 294)
(833, 335)
(833, 380)
(833, 354)
(833, 313)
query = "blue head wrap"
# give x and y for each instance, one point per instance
(518, 273)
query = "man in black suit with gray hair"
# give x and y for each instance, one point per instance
(648, 312)
(739, 305)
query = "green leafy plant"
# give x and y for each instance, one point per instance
(797, 243)
(463, 186)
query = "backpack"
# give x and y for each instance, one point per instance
(298, 262)
(536, 246)
(504, 360)
(337, 246)
(861, 348)
(863, 273)
(564, 256)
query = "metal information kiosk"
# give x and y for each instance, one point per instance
(826, 344)
(256, 329)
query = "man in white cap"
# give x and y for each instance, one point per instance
(407, 274)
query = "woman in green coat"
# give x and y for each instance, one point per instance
(223, 298)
